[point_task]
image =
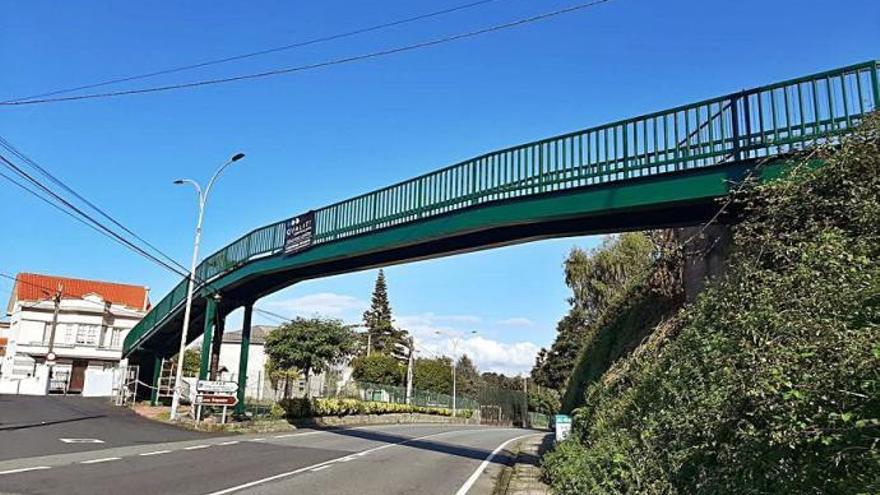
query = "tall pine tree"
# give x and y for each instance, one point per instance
(379, 321)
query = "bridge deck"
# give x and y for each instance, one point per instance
(659, 169)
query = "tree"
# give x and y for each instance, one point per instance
(191, 360)
(596, 278)
(383, 336)
(309, 344)
(434, 375)
(467, 376)
(378, 368)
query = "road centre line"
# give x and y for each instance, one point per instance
(155, 452)
(483, 465)
(231, 442)
(196, 447)
(97, 461)
(24, 470)
(279, 476)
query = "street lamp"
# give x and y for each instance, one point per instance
(203, 199)
(455, 340)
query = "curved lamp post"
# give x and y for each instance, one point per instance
(203, 199)
(455, 340)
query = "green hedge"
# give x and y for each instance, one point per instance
(307, 408)
(770, 382)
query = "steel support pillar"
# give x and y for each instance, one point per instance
(243, 356)
(205, 358)
(219, 328)
(157, 374)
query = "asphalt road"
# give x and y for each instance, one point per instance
(36, 425)
(390, 459)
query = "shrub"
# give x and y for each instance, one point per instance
(306, 408)
(770, 382)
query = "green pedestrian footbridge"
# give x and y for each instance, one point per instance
(662, 169)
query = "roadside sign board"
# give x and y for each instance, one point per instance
(216, 400)
(217, 387)
(563, 426)
(299, 233)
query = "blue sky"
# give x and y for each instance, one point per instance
(318, 137)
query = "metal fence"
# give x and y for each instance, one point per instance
(766, 121)
(391, 393)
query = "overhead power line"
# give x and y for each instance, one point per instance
(12, 149)
(317, 65)
(68, 205)
(299, 44)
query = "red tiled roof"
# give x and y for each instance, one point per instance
(36, 287)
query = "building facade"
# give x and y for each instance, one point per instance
(80, 323)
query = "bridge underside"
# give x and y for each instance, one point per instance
(684, 198)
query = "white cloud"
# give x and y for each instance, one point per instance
(517, 321)
(488, 354)
(321, 303)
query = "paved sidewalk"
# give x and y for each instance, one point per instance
(524, 477)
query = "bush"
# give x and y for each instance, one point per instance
(307, 408)
(770, 382)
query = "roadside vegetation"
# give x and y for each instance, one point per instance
(770, 381)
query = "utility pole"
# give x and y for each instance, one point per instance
(526, 399)
(409, 370)
(50, 355)
(369, 342)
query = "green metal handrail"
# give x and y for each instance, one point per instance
(766, 121)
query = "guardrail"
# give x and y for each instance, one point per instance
(765, 121)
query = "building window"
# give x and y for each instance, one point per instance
(70, 331)
(87, 334)
(116, 337)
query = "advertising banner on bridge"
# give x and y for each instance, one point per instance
(300, 232)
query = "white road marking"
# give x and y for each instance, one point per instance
(284, 436)
(320, 468)
(476, 475)
(81, 440)
(196, 447)
(24, 470)
(231, 442)
(96, 461)
(313, 466)
(155, 452)
(257, 440)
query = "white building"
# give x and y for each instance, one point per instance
(93, 319)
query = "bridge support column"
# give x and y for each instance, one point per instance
(157, 374)
(205, 360)
(219, 328)
(243, 356)
(705, 256)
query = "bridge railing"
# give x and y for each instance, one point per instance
(761, 122)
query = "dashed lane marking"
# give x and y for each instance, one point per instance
(81, 440)
(24, 470)
(105, 459)
(196, 447)
(231, 442)
(155, 452)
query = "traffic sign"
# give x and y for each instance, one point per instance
(216, 400)
(217, 387)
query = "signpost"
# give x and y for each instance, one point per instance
(215, 393)
(299, 233)
(217, 387)
(563, 426)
